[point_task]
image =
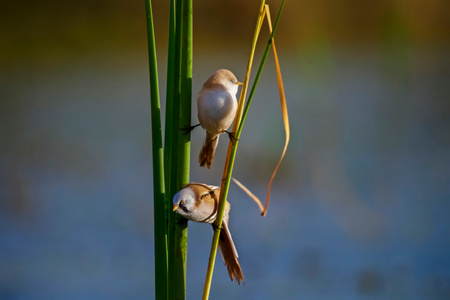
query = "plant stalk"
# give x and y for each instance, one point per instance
(228, 169)
(180, 74)
(160, 229)
(237, 129)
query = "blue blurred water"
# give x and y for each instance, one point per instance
(359, 209)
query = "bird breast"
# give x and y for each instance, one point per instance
(216, 110)
(206, 210)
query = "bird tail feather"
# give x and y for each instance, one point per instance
(206, 156)
(229, 254)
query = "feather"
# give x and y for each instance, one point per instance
(206, 156)
(229, 254)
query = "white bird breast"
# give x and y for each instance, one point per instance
(216, 109)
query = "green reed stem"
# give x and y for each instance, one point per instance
(177, 147)
(160, 229)
(171, 135)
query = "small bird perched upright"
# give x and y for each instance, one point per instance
(199, 202)
(216, 105)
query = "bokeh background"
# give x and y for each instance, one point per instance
(360, 207)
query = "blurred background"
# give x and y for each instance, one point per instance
(360, 207)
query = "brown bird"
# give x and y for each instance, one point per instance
(216, 106)
(199, 202)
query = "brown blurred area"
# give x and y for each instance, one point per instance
(57, 29)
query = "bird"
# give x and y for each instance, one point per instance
(199, 202)
(216, 107)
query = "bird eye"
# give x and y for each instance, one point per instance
(181, 202)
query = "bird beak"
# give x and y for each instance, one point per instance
(239, 83)
(175, 207)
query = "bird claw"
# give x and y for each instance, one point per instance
(217, 227)
(231, 136)
(187, 130)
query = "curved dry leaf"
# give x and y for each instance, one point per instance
(249, 193)
(284, 112)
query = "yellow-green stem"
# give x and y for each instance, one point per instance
(232, 148)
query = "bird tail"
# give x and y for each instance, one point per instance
(229, 254)
(206, 156)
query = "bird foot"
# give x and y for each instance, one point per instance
(231, 136)
(217, 227)
(187, 130)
